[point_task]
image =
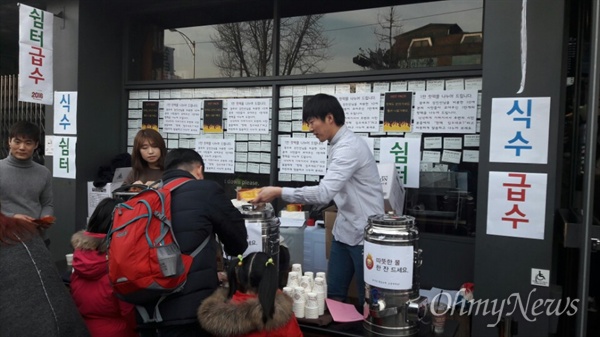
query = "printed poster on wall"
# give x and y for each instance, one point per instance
(303, 156)
(248, 116)
(520, 130)
(218, 154)
(182, 116)
(445, 111)
(517, 204)
(397, 112)
(405, 153)
(65, 112)
(35, 55)
(213, 116)
(63, 163)
(150, 115)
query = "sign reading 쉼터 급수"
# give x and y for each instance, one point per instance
(35, 55)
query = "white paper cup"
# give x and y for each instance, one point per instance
(69, 258)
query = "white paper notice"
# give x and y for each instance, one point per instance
(400, 86)
(455, 84)
(182, 116)
(453, 143)
(471, 156)
(435, 85)
(248, 115)
(388, 267)
(303, 156)
(431, 156)
(406, 154)
(218, 154)
(445, 111)
(520, 130)
(517, 204)
(63, 163)
(362, 111)
(471, 140)
(416, 85)
(432, 142)
(451, 156)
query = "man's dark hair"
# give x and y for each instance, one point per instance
(183, 159)
(322, 104)
(101, 219)
(26, 130)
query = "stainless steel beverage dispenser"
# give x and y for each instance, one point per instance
(391, 273)
(263, 217)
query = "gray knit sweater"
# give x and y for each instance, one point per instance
(25, 188)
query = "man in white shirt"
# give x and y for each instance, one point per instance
(352, 182)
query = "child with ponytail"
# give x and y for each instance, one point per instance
(252, 306)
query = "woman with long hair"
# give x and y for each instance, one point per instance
(147, 158)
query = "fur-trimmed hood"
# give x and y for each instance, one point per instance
(89, 241)
(223, 317)
(89, 257)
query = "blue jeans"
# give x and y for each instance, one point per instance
(345, 261)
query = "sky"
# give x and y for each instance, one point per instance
(348, 31)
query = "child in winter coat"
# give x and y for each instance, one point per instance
(103, 312)
(252, 306)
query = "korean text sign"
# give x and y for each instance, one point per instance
(35, 55)
(218, 154)
(64, 157)
(65, 112)
(517, 204)
(520, 129)
(406, 154)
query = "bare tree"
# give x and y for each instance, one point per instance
(246, 47)
(383, 56)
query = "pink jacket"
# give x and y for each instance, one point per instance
(103, 312)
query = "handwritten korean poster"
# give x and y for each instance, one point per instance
(520, 130)
(218, 154)
(248, 116)
(405, 152)
(303, 156)
(361, 110)
(449, 111)
(517, 204)
(182, 116)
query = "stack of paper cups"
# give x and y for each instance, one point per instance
(311, 309)
(311, 275)
(321, 295)
(322, 275)
(289, 291)
(305, 283)
(297, 267)
(293, 279)
(299, 302)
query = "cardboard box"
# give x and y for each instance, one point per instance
(393, 189)
(329, 215)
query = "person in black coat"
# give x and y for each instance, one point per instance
(199, 209)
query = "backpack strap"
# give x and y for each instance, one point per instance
(175, 183)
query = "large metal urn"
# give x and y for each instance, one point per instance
(262, 225)
(391, 273)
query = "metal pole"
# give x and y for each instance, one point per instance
(589, 176)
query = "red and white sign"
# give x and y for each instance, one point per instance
(35, 55)
(517, 204)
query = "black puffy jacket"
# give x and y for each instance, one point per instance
(200, 208)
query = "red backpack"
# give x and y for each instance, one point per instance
(145, 262)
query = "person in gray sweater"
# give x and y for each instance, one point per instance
(25, 186)
(33, 299)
